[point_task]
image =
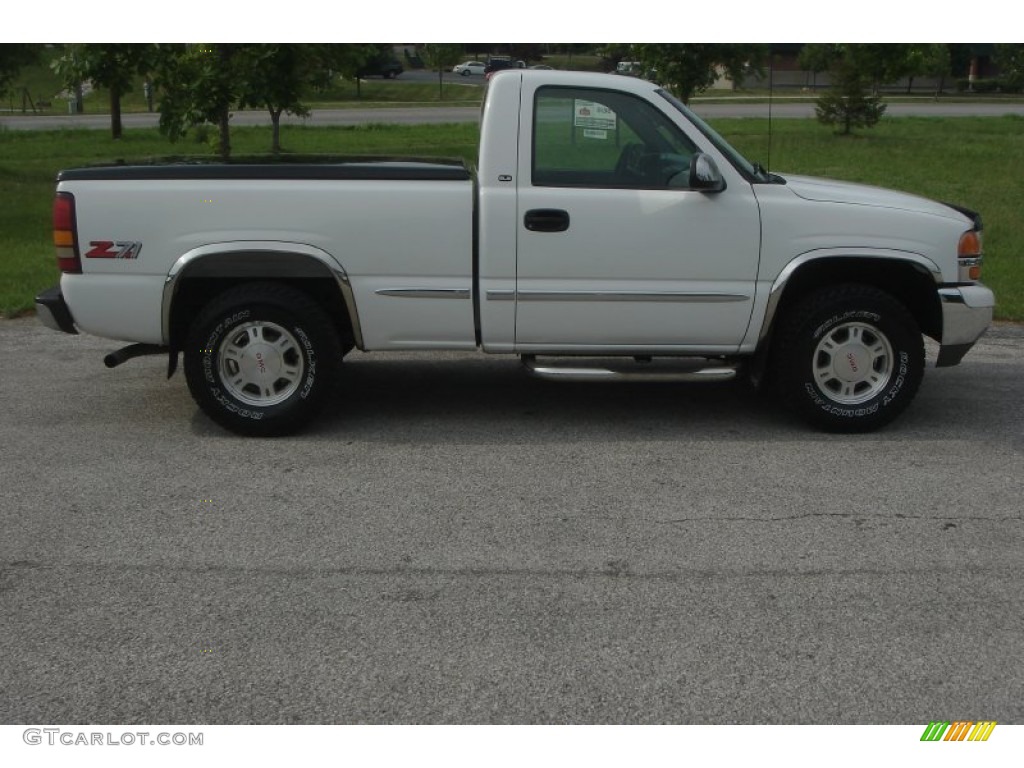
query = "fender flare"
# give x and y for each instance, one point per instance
(193, 258)
(919, 261)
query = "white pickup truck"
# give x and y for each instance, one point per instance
(606, 228)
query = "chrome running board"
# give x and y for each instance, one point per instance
(624, 369)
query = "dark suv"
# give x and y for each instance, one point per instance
(498, 63)
(384, 66)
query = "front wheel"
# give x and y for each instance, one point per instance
(261, 359)
(849, 358)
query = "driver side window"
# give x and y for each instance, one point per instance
(606, 139)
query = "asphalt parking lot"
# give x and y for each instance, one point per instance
(455, 542)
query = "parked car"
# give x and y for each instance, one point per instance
(498, 63)
(469, 68)
(635, 69)
(541, 66)
(386, 67)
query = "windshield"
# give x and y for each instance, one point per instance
(751, 171)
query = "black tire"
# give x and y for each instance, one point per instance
(465, 73)
(848, 358)
(261, 359)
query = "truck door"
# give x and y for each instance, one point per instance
(613, 250)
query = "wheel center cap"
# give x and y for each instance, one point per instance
(851, 362)
(261, 361)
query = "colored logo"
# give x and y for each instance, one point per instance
(958, 730)
(109, 249)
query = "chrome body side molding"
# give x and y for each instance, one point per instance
(668, 296)
(425, 293)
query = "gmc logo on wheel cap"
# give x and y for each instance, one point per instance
(111, 249)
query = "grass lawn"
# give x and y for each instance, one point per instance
(969, 161)
(43, 86)
(377, 91)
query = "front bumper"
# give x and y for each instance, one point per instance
(53, 312)
(966, 315)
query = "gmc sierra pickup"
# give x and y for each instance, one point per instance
(606, 227)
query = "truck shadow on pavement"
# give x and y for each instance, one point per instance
(486, 401)
(473, 400)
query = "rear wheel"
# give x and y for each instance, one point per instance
(849, 358)
(261, 359)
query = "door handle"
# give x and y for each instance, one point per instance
(546, 220)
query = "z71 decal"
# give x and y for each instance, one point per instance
(109, 249)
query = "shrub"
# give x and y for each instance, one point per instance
(848, 105)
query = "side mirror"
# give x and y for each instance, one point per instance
(704, 174)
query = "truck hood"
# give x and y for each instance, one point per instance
(830, 191)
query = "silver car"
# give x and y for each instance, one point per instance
(469, 68)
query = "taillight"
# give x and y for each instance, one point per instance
(969, 256)
(64, 234)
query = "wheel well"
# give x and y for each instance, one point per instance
(907, 282)
(212, 275)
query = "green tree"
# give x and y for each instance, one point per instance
(364, 56)
(875, 63)
(198, 83)
(278, 77)
(848, 103)
(1010, 58)
(349, 59)
(612, 53)
(112, 66)
(688, 69)
(442, 57)
(960, 55)
(882, 63)
(816, 57)
(13, 57)
(851, 102)
(929, 60)
(202, 83)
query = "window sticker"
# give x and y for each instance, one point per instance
(592, 133)
(590, 114)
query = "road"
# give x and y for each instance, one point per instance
(454, 542)
(780, 109)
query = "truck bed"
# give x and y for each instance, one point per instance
(399, 246)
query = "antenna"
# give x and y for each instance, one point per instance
(771, 92)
